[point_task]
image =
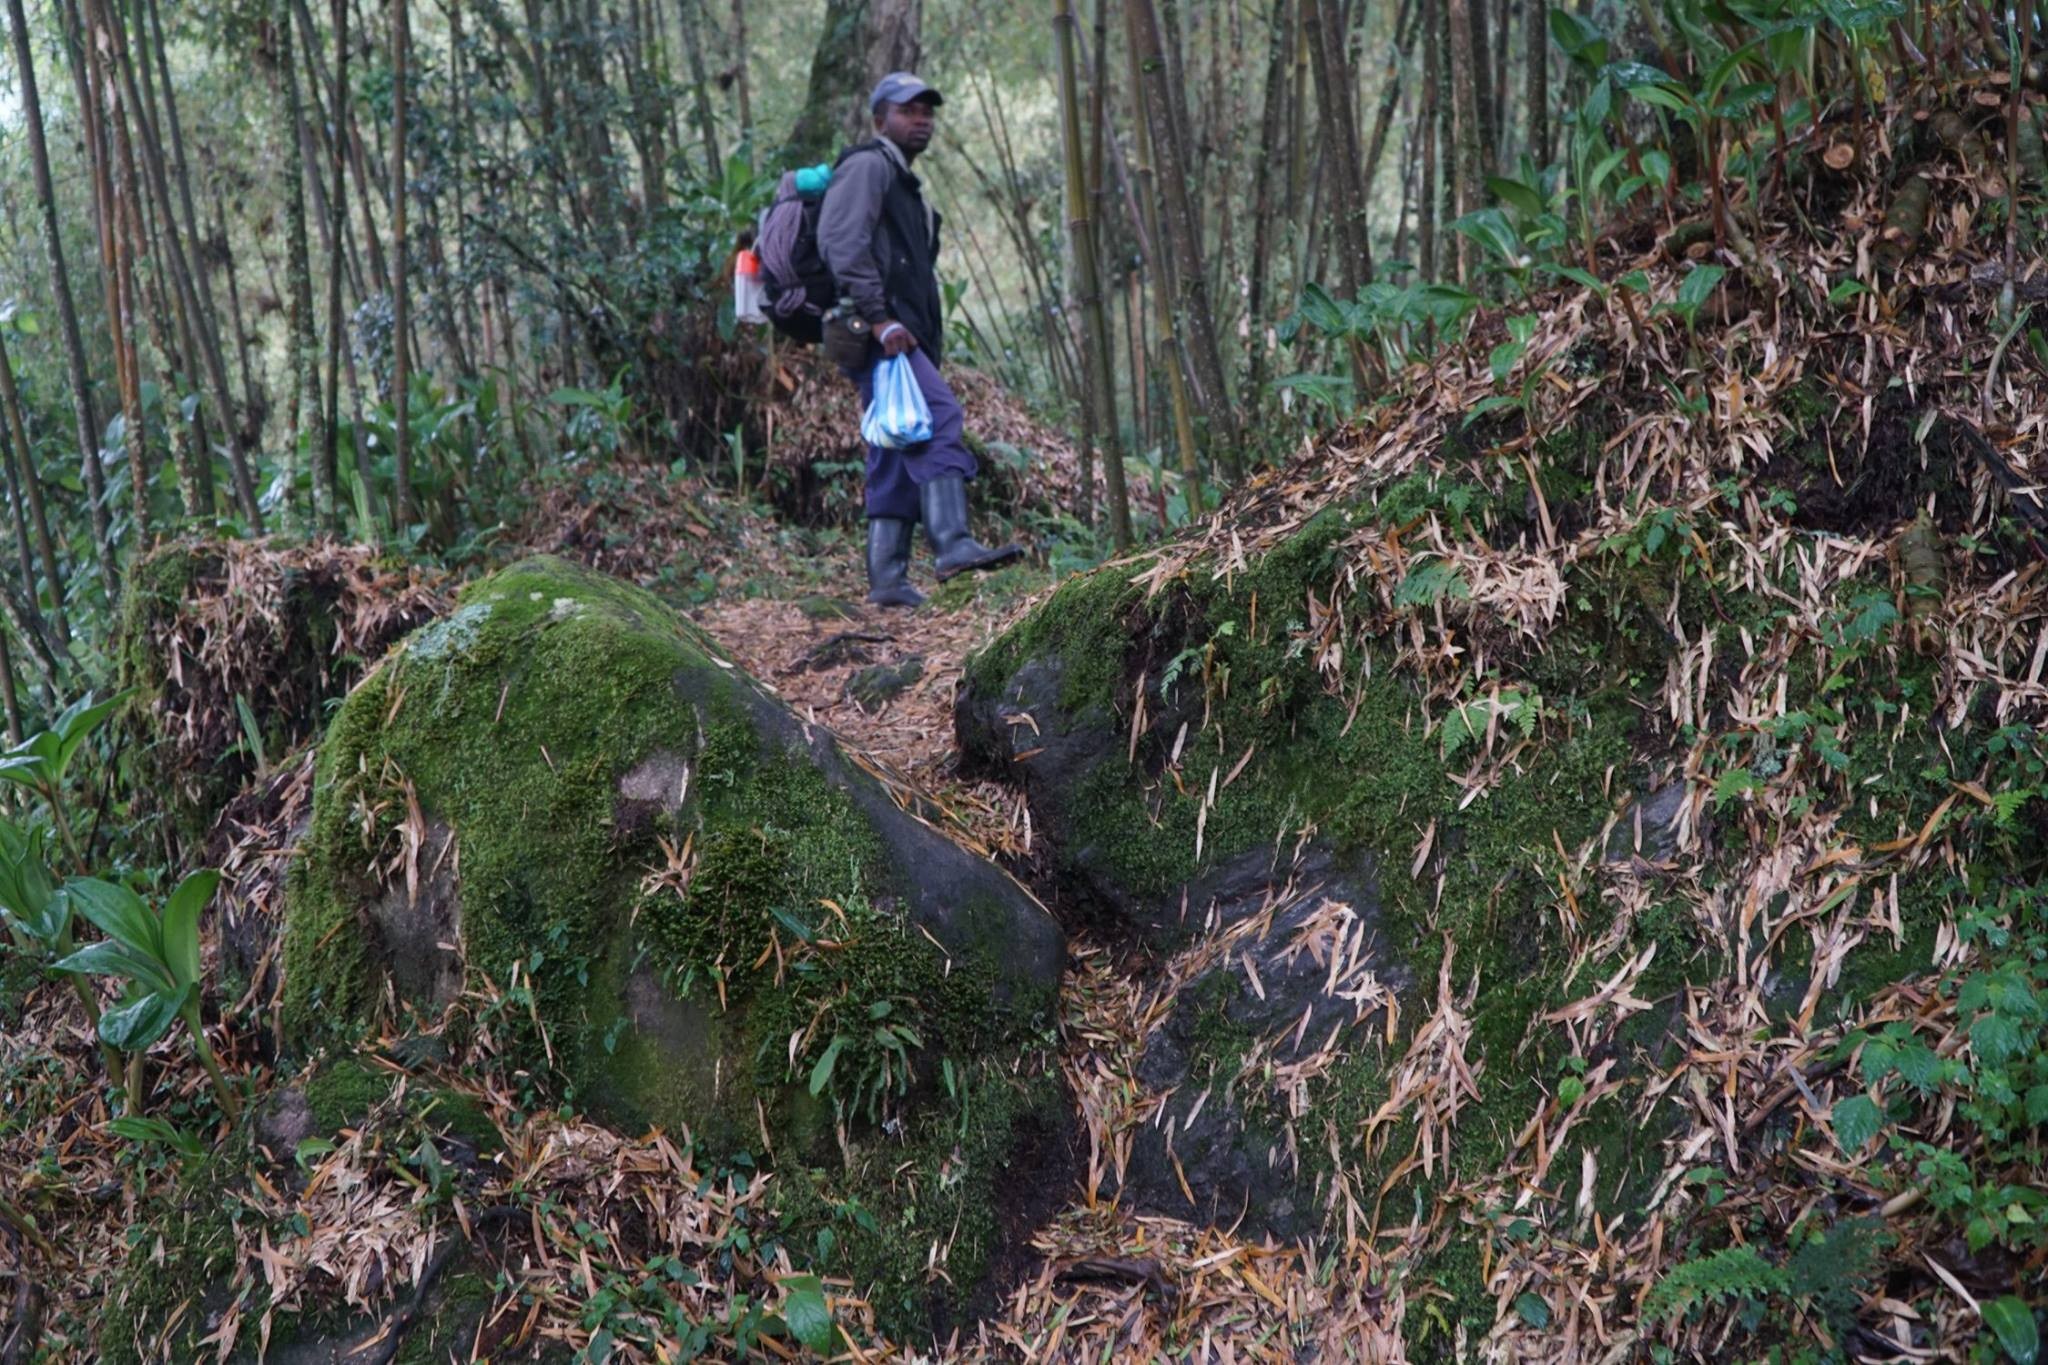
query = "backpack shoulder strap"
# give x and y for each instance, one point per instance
(848, 153)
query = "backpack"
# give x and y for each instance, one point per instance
(797, 286)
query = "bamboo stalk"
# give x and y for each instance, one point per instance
(1094, 338)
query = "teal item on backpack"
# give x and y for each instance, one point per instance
(812, 180)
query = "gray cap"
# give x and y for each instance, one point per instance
(901, 87)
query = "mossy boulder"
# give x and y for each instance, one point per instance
(559, 811)
(1301, 859)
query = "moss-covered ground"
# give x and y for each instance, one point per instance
(1224, 670)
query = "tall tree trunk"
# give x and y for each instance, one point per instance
(303, 351)
(1334, 84)
(401, 302)
(1407, 23)
(147, 177)
(23, 480)
(76, 373)
(700, 85)
(1195, 319)
(1468, 181)
(1099, 388)
(742, 86)
(1432, 112)
(113, 176)
(7, 693)
(1481, 65)
(1537, 24)
(861, 41)
(1271, 120)
(1159, 265)
(327, 471)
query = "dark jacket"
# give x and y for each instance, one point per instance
(881, 241)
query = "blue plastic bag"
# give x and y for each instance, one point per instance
(897, 416)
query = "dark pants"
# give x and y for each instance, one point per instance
(894, 476)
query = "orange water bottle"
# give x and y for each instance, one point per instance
(746, 287)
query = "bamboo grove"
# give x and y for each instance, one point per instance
(364, 267)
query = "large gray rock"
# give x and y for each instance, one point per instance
(564, 784)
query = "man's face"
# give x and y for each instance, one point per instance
(909, 126)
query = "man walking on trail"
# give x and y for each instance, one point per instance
(881, 240)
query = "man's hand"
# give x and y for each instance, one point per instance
(895, 338)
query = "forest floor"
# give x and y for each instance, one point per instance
(1093, 1282)
(1098, 1281)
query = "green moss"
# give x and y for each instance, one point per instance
(458, 1114)
(1081, 624)
(1364, 769)
(518, 748)
(343, 1093)
(18, 976)
(181, 1250)
(988, 592)
(877, 1219)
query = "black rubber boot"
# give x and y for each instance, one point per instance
(945, 520)
(889, 564)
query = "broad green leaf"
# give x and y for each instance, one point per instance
(1857, 1120)
(181, 924)
(1533, 1310)
(1584, 277)
(143, 1128)
(1514, 192)
(1501, 361)
(310, 1150)
(1698, 287)
(110, 958)
(1330, 389)
(1742, 99)
(1322, 311)
(1603, 168)
(119, 913)
(2012, 1322)
(1575, 35)
(1920, 1066)
(821, 1074)
(1637, 73)
(1663, 97)
(1492, 230)
(1491, 404)
(76, 725)
(1727, 69)
(808, 1315)
(136, 1024)
(25, 770)
(28, 897)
